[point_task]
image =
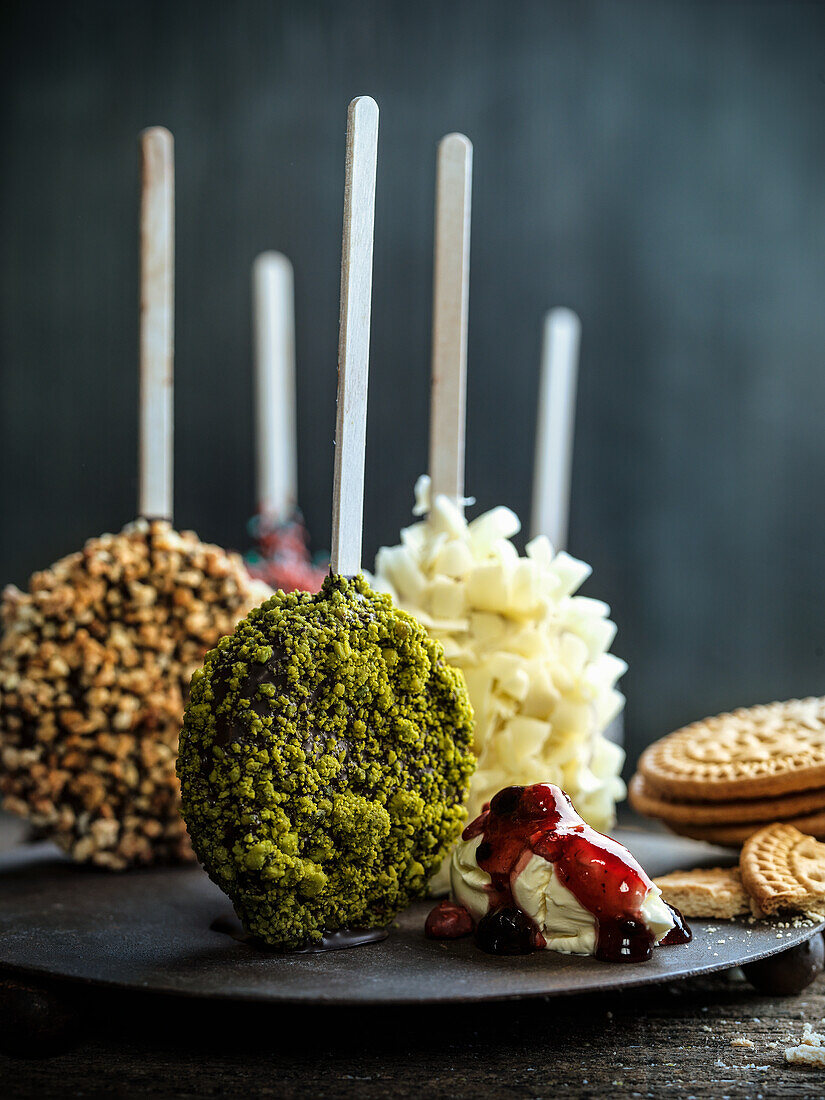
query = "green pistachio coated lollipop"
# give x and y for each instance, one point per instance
(324, 761)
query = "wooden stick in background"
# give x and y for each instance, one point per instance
(157, 248)
(556, 423)
(274, 333)
(451, 290)
(354, 336)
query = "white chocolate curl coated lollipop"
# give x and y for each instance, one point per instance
(534, 655)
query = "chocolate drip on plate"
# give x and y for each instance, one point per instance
(331, 941)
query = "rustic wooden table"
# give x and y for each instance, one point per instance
(678, 1040)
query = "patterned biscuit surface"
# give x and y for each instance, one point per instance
(706, 892)
(734, 836)
(783, 868)
(760, 752)
(646, 800)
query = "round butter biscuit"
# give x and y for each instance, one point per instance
(647, 801)
(758, 752)
(783, 869)
(734, 836)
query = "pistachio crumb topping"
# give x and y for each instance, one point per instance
(324, 761)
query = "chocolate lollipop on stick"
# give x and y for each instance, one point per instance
(554, 441)
(556, 423)
(451, 293)
(324, 758)
(157, 319)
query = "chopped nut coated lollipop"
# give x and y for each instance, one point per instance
(95, 662)
(95, 658)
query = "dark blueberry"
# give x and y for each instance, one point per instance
(506, 932)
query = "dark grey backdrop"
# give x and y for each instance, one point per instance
(657, 166)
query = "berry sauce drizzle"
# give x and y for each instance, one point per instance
(600, 873)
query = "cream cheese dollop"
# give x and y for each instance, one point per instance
(564, 922)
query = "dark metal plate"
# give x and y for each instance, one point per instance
(150, 930)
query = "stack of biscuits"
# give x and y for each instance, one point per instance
(725, 778)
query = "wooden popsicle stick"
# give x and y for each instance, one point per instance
(274, 332)
(451, 292)
(157, 248)
(354, 336)
(555, 426)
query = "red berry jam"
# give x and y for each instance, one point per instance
(600, 873)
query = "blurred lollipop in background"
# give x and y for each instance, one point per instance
(281, 555)
(555, 430)
(555, 426)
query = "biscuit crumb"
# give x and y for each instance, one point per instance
(810, 1037)
(805, 1056)
(811, 1050)
(741, 1041)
